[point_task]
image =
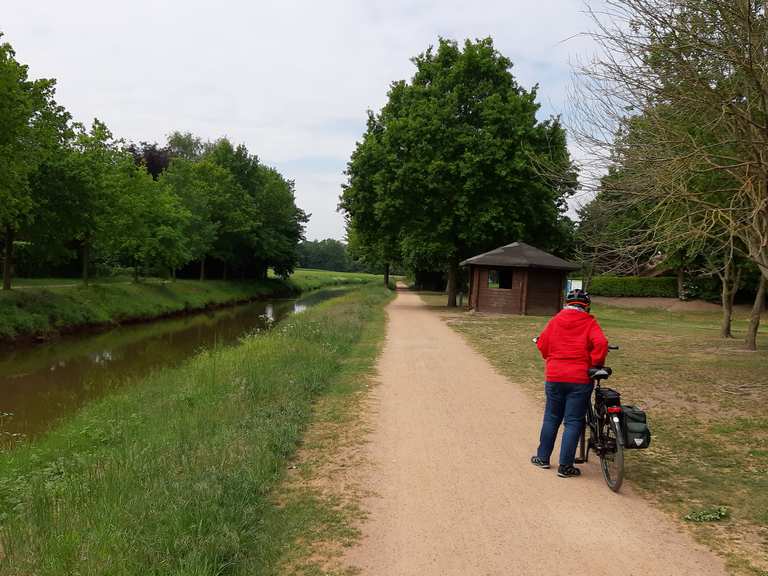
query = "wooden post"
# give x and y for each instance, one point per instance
(524, 294)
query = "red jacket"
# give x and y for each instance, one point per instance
(571, 344)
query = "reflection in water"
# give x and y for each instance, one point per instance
(41, 384)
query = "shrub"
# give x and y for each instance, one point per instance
(703, 288)
(662, 287)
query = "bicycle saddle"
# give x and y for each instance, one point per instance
(600, 373)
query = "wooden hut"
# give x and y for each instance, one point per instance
(517, 279)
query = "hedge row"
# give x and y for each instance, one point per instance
(661, 287)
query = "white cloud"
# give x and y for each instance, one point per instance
(291, 79)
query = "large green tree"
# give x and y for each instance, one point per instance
(97, 166)
(31, 128)
(213, 199)
(328, 254)
(266, 224)
(456, 162)
(151, 220)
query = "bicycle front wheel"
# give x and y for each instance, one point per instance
(612, 456)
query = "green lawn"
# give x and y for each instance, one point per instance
(705, 399)
(177, 474)
(307, 279)
(40, 310)
(61, 282)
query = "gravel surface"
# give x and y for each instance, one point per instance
(452, 489)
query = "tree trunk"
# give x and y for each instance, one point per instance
(386, 274)
(262, 271)
(173, 274)
(725, 326)
(202, 268)
(757, 310)
(86, 250)
(136, 273)
(681, 284)
(453, 277)
(224, 274)
(730, 286)
(8, 259)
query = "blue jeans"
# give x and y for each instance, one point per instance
(567, 402)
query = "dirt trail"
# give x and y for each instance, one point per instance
(455, 493)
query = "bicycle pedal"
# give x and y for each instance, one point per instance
(579, 460)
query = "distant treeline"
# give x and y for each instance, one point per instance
(76, 199)
(330, 254)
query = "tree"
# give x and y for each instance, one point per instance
(185, 145)
(31, 126)
(456, 163)
(154, 158)
(209, 193)
(95, 168)
(278, 238)
(151, 220)
(372, 232)
(328, 254)
(696, 75)
(266, 225)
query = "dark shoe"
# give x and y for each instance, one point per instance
(568, 471)
(536, 461)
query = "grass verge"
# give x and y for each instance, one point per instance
(175, 475)
(705, 399)
(36, 311)
(318, 513)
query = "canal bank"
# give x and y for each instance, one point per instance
(174, 474)
(42, 384)
(39, 313)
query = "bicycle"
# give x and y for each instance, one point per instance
(603, 420)
(606, 437)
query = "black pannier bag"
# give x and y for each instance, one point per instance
(636, 432)
(608, 397)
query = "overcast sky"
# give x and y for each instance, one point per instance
(290, 79)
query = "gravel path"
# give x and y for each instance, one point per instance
(453, 492)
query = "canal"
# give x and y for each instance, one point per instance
(41, 384)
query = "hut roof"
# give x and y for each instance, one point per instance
(520, 255)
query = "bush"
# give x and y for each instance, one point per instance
(703, 288)
(663, 287)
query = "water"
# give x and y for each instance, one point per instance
(40, 385)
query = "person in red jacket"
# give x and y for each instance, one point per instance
(571, 344)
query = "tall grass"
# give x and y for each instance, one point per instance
(173, 475)
(41, 310)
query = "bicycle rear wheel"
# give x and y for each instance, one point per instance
(612, 455)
